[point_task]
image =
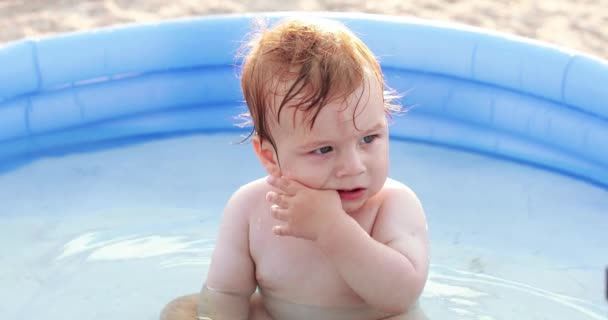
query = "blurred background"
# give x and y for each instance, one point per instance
(578, 24)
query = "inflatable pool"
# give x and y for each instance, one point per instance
(117, 153)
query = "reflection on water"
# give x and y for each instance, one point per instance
(449, 294)
(96, 248)
(482, 296)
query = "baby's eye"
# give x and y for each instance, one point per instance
(323, 150)
(368, 139)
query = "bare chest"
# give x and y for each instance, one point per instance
(295, 269)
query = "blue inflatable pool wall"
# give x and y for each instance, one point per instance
(483, 92)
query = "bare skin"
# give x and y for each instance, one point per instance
(326, 235)
(317, 293)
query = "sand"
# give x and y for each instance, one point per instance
(577, 24)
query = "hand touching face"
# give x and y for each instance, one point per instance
(306, 212)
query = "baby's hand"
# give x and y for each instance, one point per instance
(305, 211)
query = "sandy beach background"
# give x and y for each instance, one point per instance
(578, 24)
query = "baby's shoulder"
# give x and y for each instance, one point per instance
(251, 193)
(393, 184)
(245, 201)
(393, 187)
(400, 212)
(396, 194)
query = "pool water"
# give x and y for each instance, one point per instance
(117, 233)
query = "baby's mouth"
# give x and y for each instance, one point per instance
(350, 190)
(351, 194)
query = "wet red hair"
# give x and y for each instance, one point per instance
(306, 61)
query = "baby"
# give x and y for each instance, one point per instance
(327, 235)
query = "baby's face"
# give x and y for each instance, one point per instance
(338, 153)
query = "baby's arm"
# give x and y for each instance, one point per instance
(389, 269)
(231, 278)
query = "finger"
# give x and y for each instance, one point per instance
(277, 199)
(290, 186)
(273, 181)
(278, 213)
(283, 184)
(281, 230)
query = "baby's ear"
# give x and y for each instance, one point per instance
(267, 155)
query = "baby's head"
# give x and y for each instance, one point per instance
(316, 98)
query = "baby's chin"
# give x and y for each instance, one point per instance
(351, 207)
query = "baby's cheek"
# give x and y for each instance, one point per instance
(378, 168)
(313, 177)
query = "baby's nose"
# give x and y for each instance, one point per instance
(351, 165)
